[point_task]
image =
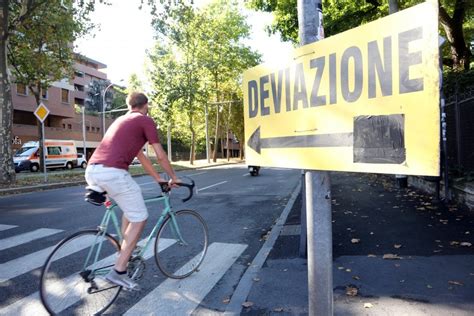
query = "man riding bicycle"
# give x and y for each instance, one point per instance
(108, 171)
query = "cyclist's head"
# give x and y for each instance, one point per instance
(137, 100)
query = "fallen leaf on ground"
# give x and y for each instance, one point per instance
(348, 270)
(355, 240)
(340, 268)
(397, 246)
(429, 286)
(454, 243)
(466, 244)
(368, 305)
(355, 277)
(247, 304)
(226, 301)
(437, 240)
(278, 309)
(352, 291)
(391, 256)
(256, 279)
(371, 256)
(456, 283)
(467, 233)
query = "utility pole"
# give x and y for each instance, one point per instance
(318, 192)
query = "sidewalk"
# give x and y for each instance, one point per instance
(432, 272)
(77, 178)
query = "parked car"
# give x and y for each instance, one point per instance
(81, 161)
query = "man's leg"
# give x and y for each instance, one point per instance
(131, 235)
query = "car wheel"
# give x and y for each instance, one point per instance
(83, 165)
(34, 167)
(69, 166)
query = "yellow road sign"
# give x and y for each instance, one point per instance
(366, 100)
(41, 112)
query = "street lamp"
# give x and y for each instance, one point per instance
(103, 107)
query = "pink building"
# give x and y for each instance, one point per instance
(64, 121)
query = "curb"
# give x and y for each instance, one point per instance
(246, 282)
(42, 187)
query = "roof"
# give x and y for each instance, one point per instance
(90, 60)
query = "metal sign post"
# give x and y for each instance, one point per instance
(318, 193)
(41, 114)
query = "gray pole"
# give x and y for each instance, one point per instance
(207, 134)
(319, 219)
(170, 156)
(392, 6)
(44, 153)
(84, 131)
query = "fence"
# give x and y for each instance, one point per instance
(460, 130)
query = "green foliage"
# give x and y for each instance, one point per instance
(197, 59)
(40, 50)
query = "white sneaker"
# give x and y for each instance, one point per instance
(122, 280)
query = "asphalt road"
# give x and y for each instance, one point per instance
(238, 209)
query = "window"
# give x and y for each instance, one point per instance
(21, 89)
(64, 126)
(88, 128)
(93, 129)
(65, 95)
(44, 94)
(54, 150)
(79, 74)
(78, 87)
(69, 126)
(98, 129)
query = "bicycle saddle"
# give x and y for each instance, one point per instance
(95, 195)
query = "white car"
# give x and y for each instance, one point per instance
(81, 161)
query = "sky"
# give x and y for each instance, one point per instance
(125, 33)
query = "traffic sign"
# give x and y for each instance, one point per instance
(41, 112)
(366, 100)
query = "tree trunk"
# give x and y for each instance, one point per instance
(222, 145)
(7, 172)
(227, 133)
(216, 137)
(241, 150)
(460, 52)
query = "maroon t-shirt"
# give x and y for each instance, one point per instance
(124, 139)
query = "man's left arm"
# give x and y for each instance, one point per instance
(148, 166)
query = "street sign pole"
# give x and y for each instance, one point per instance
(318, 193)
(43, 152)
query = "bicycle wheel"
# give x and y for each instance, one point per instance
(181, 244)
(71, 283)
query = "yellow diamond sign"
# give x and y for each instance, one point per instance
(41, 112)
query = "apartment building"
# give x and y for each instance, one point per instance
(64, 121)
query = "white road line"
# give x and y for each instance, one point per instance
(181, 297)
(246, 174)
(5, 227)
(195, 174)
(16, 267)
(27, 237)
(210, 186)
(31, 305)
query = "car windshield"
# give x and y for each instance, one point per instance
(25, 151)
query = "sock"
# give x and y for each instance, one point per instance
(120, 272)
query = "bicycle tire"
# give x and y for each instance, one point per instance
(174, 258)
(63, 286)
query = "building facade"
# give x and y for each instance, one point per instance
(65, 100)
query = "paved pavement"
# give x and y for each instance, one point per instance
(432, 272)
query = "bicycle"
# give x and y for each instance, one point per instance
(72, 279)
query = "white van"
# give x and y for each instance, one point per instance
(59, 154)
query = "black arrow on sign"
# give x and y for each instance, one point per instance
(322, 140)
(375, 139)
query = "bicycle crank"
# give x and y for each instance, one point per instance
(136, 268)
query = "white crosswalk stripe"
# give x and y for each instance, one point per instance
(16, 267)
(32, 305)
(27, 237)
(171, 297)
(5, 227)
(181, 297)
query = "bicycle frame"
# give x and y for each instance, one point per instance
(111, 215)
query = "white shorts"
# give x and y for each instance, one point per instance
(120, 187)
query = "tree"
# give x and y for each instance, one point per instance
(456, 18)
(35, 44)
